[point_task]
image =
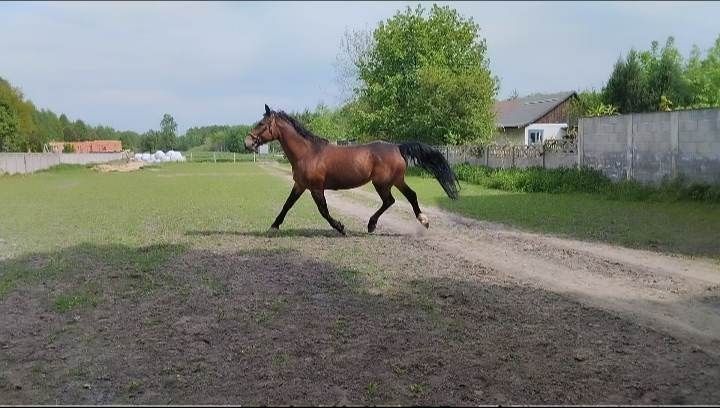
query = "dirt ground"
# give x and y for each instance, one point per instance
(121, 166)
(465, 313)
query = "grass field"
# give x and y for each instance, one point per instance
(161, 286)
(688, 228)
(78, 207)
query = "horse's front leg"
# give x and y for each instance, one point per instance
(295, 193)
(319, 197)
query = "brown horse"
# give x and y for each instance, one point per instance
(318, 166)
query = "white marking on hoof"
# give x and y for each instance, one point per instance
(423, 220)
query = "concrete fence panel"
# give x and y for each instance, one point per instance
(652, 147)
(23, 163)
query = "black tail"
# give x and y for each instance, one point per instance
(432, 161)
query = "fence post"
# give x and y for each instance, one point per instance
(512, 155)
(190, 156)
(579, 143)
(487, 154)
(629, 151)
(233, 157)
(542, 153)
(214, 158)
(674, 143)
(253, 157)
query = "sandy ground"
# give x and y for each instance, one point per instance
(122, 167)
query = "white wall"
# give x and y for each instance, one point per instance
(551, 131)
(22, 163)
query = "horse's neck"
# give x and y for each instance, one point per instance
(294, 145)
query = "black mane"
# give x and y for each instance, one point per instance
(301, 129)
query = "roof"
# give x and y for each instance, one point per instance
(523, 111)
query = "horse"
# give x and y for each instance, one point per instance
(318, 165)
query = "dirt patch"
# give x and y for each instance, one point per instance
(122, 167)
(257, 326)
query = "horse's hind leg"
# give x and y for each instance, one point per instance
(383, 191)
(319, 197)
(412, 198)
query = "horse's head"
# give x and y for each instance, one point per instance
(264, 131)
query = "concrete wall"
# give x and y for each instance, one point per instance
(551, 154)
(22, 163)
(650, 147)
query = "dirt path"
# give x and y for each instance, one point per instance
(676, 295)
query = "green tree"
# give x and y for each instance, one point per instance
(659, 79)
(703, 75)
(664, 69)
(425, 78)
(8, 125)
(235, 139)
(627, 87)
(19, 114)
(168, 129)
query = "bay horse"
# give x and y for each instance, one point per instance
(318, 166)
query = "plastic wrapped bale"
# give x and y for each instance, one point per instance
(147, 157)
(160, 156)
(138, 157)
(175, 156)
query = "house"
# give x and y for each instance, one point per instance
(91, 146)
(533, 119)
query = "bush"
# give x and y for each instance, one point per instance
(534, 179)
(583, 180)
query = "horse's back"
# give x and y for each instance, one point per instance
(355, 165)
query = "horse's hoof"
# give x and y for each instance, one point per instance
(371, 228)
(341, 230)
(423, 220)
(273, 230)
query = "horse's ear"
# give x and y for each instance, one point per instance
(267, 109)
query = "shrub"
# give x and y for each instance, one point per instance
(582, 180)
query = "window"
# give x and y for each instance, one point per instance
(535, 136)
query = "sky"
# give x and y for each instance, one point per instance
(126, 64)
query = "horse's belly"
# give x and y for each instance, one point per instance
(340, 182)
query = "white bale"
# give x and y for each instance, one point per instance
(160, 156)
(175, 156)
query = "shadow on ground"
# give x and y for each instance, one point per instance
(296, 232)
(168, 324)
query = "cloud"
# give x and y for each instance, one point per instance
(125, 64)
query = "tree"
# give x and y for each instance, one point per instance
(168, 127)
(425, 78)
(8, 125)
(19, 114)
(659, 79)
(627, 87)
(703, 75)
(666, 83)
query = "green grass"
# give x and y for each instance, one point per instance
(583, 180)
(65, 221)
(65, 303)
(690, 228)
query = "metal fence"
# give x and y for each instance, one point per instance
(229, 157)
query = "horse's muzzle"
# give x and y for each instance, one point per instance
(250, 144)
